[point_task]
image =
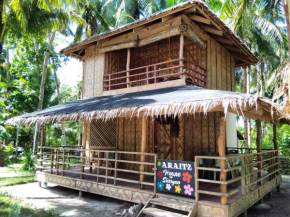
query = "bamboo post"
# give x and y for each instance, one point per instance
(196, 178)
(128, 67)
(222, 153)
(98, 168)
(52, 159)
(243, 175)
(275, 144)
(259, 149)
(107, 165)
(68, 154)
(41, 146)
(57, 161)
(181, 54)
(63, 162)
(116, 166)
(83, 151)
(143, 148)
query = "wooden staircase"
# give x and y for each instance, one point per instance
(169, 206)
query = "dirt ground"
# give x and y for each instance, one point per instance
(67, 203)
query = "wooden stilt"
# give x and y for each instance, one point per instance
(245, 214)
(143, 148)
(259, 149)
(80, 194)
(222, 153)
(279, 189)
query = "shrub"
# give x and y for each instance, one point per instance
(29, 162)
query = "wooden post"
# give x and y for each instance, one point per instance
(143, 148)
(181, 54)
(52, 159)
(128, 67)
(41, 146)
(259, 149)
(222, 153)
(196, 178)
(243, 175)
(275, 144)
(107, 165)
(116, 166)
(63, 162)
(83, 150)
(57, 161)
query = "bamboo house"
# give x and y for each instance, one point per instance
(159, 114)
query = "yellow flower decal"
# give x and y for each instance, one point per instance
(159, 163)
(177, 189)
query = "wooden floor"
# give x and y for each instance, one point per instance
(129, 176)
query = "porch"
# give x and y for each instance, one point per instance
(102, 172)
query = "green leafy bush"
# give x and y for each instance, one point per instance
(29, 162)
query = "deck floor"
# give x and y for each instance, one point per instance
(73, 173)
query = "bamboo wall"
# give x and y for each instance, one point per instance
(194, 138)
(93, 71)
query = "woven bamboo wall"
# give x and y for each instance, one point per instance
(93, 71)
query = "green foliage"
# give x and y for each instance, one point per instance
(15, 210)
(29, 162)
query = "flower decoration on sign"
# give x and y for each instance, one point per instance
(159, 163)
(188, 189)
(160, 185)
(160, 174)
(186, 177)
(177, 189)
(168, 187)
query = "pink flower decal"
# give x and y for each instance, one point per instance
(186, 177)
(160, 174)
(188, 190)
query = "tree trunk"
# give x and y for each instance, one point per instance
(7, 64)
(59, 102)
(286, 5)
(1, 31)
(41, 92)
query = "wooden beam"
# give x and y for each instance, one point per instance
(241, 57)
(160, 36)
(169, 17)
(221, 142)
(119, 39)
(259, 148)
(200, 19)
(128, 66)
(200, 10)
(224, 40)
(196, 29)
(119, 46)
(232, 48)
(143, 148)
(212, 30)
(191, 34)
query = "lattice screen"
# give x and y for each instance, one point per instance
(103, 134)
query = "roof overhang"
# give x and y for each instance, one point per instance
(167, 101)
(201, 17)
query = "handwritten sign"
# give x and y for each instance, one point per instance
(175, 177)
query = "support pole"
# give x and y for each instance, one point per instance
(276, 153)
(128, 67)
(259, 149)
(143, 148)
(181, 54)
(222, 153)
(83, 153)
(42, 142)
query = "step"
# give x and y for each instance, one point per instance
(174, 204)
(155, 212)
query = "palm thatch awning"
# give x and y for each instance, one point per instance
(174, 100)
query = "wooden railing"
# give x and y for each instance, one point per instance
(245, 172)
(156, 73)
(99, 164)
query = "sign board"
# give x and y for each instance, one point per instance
(175, 177)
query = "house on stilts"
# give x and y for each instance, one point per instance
(159, 119)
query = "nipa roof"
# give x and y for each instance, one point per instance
(174, 100)
(228, 39)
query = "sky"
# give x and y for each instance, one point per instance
(70, 72)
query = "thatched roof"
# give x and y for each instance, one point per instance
(174, 100)
(237, 47)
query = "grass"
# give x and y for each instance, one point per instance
(12, 175)
(13, 207)
(9, 205)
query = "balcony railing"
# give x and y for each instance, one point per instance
(156, 73)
